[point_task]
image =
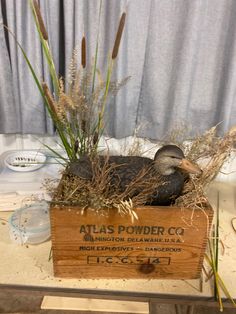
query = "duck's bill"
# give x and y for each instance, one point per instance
(190, 167)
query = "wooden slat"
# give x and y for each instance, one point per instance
(80, 304)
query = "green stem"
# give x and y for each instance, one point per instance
(217, 230)
(108, 81)
(100, 124)
(226, 291)
(212, 265)
(47, 52)
(96, 51)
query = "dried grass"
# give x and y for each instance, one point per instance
(77, 111)
(213, 151)
(102, 193)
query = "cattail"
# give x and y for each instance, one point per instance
(95, 138)
(49, 98)
(83, 125)
(76, 146)
(83, 52)
(40, 20)
(118, 36)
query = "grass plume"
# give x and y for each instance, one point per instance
(77, 112)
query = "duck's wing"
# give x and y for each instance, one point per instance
(169, 190)
(126, 168)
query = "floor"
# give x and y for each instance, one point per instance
(21, 304)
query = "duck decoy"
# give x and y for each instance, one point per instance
(168, 165)
(174, 168)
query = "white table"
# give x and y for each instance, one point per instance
(26, 269)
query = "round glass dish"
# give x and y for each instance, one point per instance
(30, 224)
(23, 161)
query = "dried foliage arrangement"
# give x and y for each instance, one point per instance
(211, 151)
(101, 192)
(77, 107)
(78, 114)
(77, 111)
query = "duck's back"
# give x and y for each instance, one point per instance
(124, 167)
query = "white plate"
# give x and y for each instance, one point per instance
(25, 161)
(30, 224)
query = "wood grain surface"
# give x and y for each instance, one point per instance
(165, 242)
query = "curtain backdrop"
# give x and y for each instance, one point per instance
(180, 55)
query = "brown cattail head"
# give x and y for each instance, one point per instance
(40, 20)
(76, 146)
(49, 98)
(83, 52)
(83, 125)
(95, 138)
(118, 36)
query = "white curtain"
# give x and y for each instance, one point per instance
(180, 55)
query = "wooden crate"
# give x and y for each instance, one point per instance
(165, 242)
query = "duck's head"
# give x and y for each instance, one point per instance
(170, 157)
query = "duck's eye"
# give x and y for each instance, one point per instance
(174, 157)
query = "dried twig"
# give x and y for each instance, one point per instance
(232, 223)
